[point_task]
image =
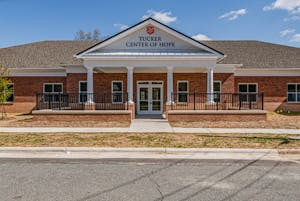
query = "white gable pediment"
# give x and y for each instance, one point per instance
(149, 38)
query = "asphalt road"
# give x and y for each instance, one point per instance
(97, 180)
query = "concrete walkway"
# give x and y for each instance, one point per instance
(151, 125)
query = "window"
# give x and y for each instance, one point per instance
(250, 90)
(117, 92)
(51, 92)
(10, 97)
(293, 93)
(82, 91)
(217, 91)
(182, 91)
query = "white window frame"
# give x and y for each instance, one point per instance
(296, 93)
(180, 92)
(256, 88)
(53, 83)
(113, 92)
(13, 91)
(81, 92)
(220, 82)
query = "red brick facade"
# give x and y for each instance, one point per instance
(25, 89)
(274, 88)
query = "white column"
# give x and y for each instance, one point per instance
(90, 85)
(210, 85)
(170, 84)
(130, 84)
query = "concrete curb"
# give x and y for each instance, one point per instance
(139, 153)
(289, 151)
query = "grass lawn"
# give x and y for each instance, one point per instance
(150, 140)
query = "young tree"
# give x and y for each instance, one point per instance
(5, 89)
(88, 36)
(96, 34)
(80, 35)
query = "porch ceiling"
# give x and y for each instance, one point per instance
(151, 69)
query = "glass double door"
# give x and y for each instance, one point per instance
(150, 98)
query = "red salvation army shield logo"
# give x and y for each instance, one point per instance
(150, 30)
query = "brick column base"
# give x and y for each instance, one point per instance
(90, 106)
(131, 107)
(168, 107)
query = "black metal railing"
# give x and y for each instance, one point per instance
(217, 101)
(81, 101)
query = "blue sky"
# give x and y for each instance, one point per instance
(276, 21)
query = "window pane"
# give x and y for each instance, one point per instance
(83, 97)
(48, 88)
(252, 97)
(155, 93)
(298, 97)
(144, 105)
(182, 86)
(83, 87)
(47, 97)
(252, 88)
(143, 93)
(117, 86)
(291, 88)
(117, 98)
(11, 87)
(242, 88)
(55, 97)
(156, 105)
(292, 97)
(217, 97)
(57, 88)
(182, 97)
(217, 87)
(10, 98)
(298, 87)
(243, 97)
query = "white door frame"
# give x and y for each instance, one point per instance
(150, 85)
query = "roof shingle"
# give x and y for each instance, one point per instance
(54, 54)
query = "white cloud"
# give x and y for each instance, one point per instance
(295, 38)
(201, 37)
(286, 32)
(292, 6)
(295, 17)
(121, 26)
(164, 17)
(234, 14)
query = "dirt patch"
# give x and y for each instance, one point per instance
(259, 141)
(26, 120)
(274, 120)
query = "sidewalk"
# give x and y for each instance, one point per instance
(138, 129)
(146, 125)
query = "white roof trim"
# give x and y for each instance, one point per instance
(145, 23)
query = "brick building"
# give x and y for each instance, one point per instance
(151, 68)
